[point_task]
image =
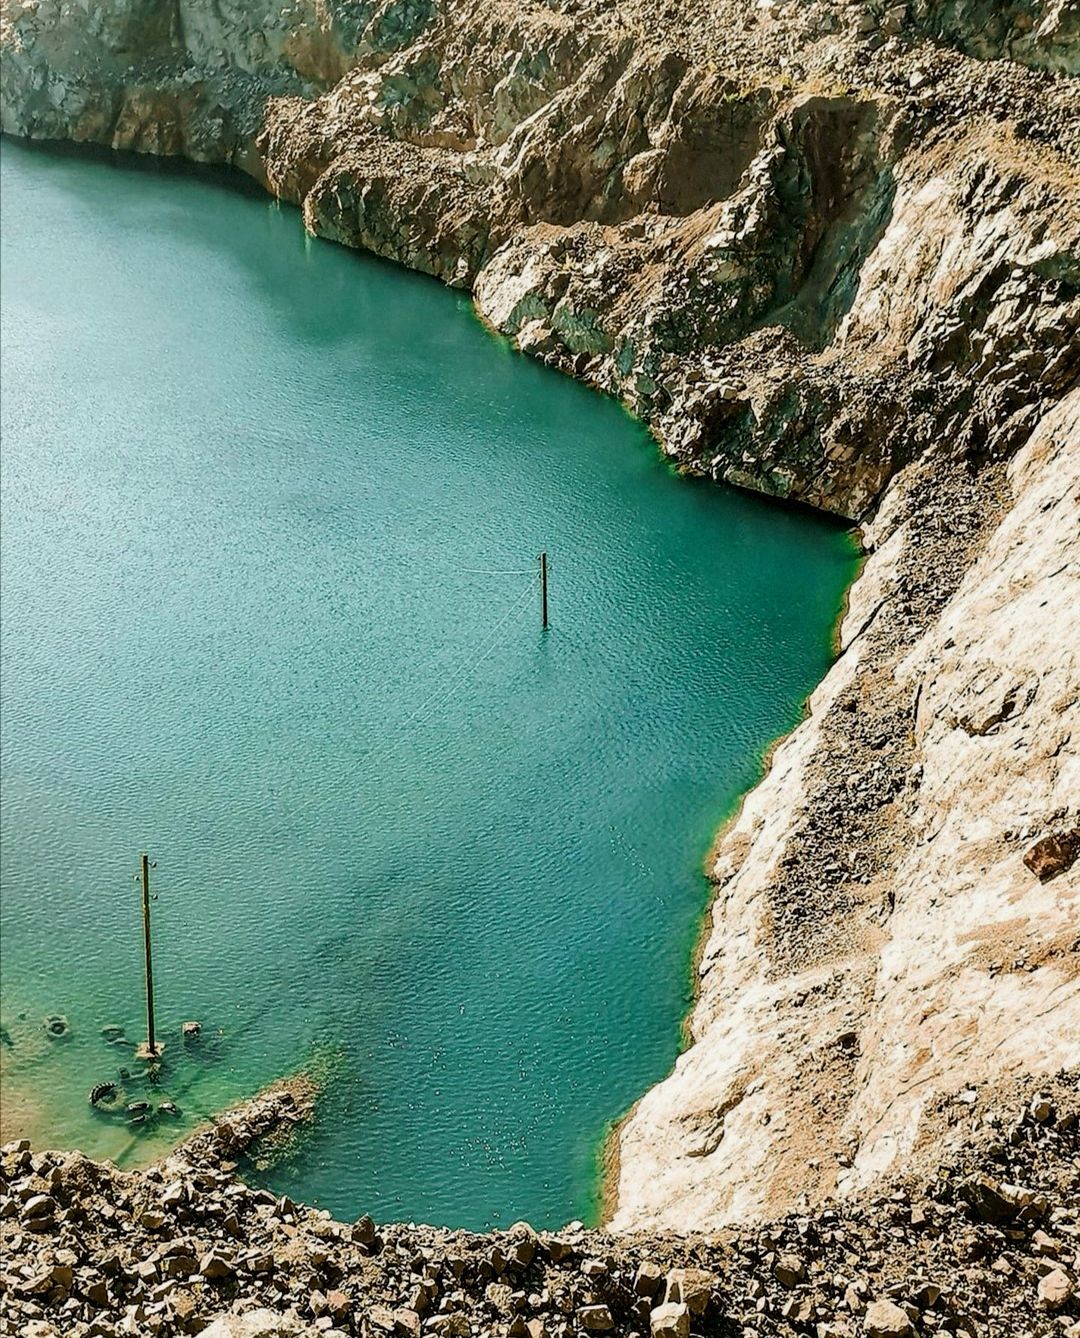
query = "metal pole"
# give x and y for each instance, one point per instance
(543, 588)
(151, 1046)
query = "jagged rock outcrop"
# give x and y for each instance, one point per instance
(720, 235)
(877, 937)
(826, 250)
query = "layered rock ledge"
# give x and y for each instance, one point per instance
(828, 250)
(803, 242)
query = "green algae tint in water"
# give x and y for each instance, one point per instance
(248, 484)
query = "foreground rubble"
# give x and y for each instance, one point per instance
(828, 250)
(986, 1247)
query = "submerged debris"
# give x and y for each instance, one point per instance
(104, 1094)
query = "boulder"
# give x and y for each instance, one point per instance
(670, 1320)
(595, 1319)
(260, 1323)
(986, 1200)
(692, 1286)
(886, 1320)
(1054, 854)
(1055, 1289)
(789, 1270)
(214, 1265)
(647, 1279)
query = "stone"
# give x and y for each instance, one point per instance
(670, 1320)
(558, 1249)
(647, 1279)
(521, 1250)
(797, 1309)
(789, 1270)
(180, 1266)
(97, 1292)
(38, 1206)
(215, 1265)
(1054, 1290)
(883, 1319)
(692, 1286)
(500, 1296)
(259, 1323)
(986, 1199)
(338, 1304)
(1054, 854)
(595, 1318)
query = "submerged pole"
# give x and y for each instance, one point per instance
(543, 589)
(151, 1046)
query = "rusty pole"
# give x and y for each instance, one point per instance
(151, 1045)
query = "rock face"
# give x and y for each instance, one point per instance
(803, 243)
(827, 250)
(878, 935)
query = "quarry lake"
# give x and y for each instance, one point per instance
(270, 612)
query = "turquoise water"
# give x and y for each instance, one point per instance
(270, 518)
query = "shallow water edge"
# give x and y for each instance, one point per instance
(223, 174)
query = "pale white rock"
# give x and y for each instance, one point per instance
(732, 1132)
(261, 1323)
(1055, 1289)
(885, 1320)
(670, 1320)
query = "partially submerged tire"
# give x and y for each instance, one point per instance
(108, 1097)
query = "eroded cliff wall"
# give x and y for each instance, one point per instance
(877, 939)
(802, 242)
(830, 251)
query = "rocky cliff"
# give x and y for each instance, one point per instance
(803, 243)
(826, 250)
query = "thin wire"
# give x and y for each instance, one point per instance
(444, 690)
(485, 652)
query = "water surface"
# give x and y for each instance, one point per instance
(270, 518)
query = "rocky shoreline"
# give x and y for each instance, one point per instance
(988, 1244)
(829, 251)
(708, 217)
